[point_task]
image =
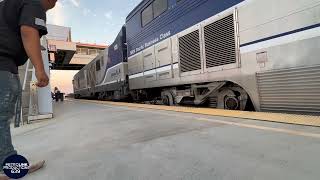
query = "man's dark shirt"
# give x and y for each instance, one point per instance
(14, 14)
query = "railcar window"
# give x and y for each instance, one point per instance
(78, 50)
(159, 7)
(98, 67)
(147, 15)
(102, 61)
(93, 52)
(84, 51)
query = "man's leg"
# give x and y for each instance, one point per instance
(9, 93)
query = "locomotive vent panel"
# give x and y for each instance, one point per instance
(294, 90)
(189, 50)
(220, 47)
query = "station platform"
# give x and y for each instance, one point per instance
(101, 140)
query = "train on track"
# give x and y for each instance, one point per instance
(228, 54)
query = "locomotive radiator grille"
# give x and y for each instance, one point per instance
(220, 46)
(189, 49)
(290, 90)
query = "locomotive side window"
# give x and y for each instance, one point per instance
(98, 67)
(159, 7)
(153, 10)
(147, 15)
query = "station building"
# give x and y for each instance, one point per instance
(64, 54)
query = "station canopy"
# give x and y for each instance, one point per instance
(67, 55)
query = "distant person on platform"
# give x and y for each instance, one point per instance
(22, 23)
(56, 90)
(57, 94)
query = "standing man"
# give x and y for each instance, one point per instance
(22, 23)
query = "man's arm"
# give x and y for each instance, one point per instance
(31, 42)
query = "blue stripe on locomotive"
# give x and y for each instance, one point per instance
(177, 18)
(117, 51)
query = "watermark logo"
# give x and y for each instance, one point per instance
(16, 166)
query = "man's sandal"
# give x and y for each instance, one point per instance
(35, 167)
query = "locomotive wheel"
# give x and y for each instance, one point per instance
(165, 100)
(233, 98)
(231, 103)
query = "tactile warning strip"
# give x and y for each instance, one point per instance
(262, 116)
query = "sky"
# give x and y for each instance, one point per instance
(91, 21)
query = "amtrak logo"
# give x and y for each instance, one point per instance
(16, 166)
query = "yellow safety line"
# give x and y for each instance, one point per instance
(279, 130)
(261, 116)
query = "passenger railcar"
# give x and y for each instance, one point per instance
(106, 76)
(229, 54)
